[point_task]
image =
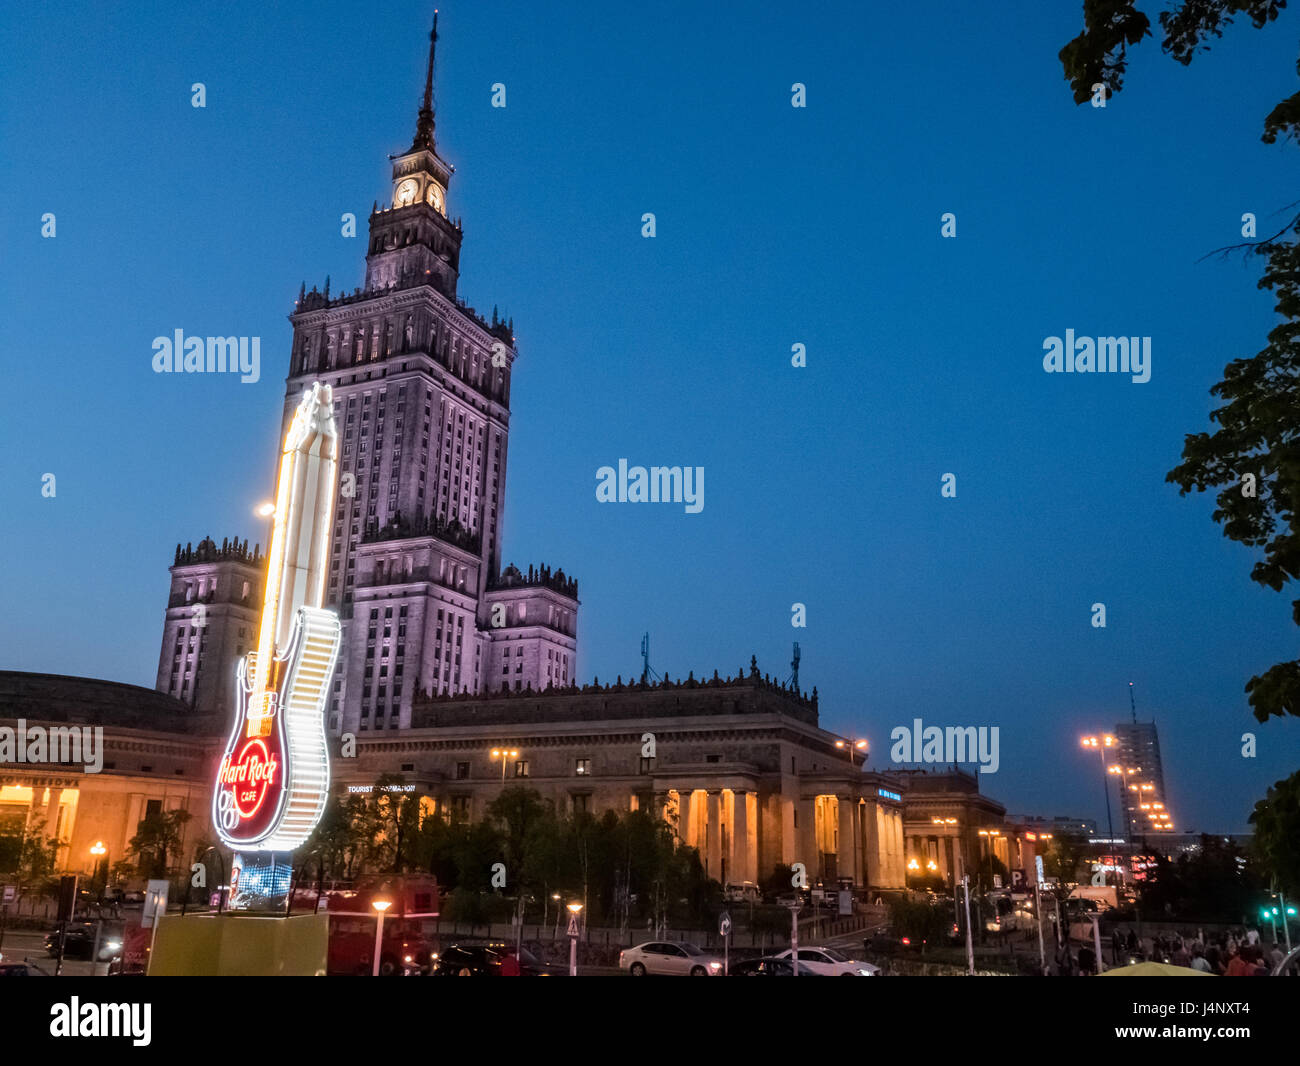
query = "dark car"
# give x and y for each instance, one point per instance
(16, 969)
(768, 968)
(79, 942)
(483, 960)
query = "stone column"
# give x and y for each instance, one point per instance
(872, 868)
(807, 836)
(713, 835)
(845, 862)
(52, 812)
(789, 835)
(740, 837)
(684, 817)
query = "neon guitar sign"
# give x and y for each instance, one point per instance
(274, 776)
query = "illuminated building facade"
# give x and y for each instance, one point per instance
(1142, 782)
(954, 831)
(157, 757)
(741, 770)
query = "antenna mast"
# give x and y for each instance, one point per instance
(793, 679)
(646, 671)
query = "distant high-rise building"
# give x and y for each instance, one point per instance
(1142, 779)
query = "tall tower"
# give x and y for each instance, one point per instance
(211, 620)
(421, 386)
(1143, 783)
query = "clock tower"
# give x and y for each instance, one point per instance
(412, 239)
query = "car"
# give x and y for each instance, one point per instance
(741, 892)
(827, 962)
(16, 969)
(79, 942)
(769, 967)
(669, 958)
(483, 960)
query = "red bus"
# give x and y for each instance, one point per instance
(408, 939)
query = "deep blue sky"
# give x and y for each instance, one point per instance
(775, 226)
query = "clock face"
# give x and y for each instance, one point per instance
(406, 192)
(435, 197)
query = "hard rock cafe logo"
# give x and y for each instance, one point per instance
(247, 778)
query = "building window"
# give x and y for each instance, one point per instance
(647, 765)
(582, 767)
(580, 803)
(462, 771)
(521, 768)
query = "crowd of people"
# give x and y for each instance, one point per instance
(1235, 953)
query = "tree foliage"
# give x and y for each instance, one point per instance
(1212, 883)
(157, 842)
(1276, 819)
(623, 867)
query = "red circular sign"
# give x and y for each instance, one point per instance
(249, 776)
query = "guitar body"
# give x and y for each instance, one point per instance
(272, 785)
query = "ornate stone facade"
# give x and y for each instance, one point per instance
(740, 769)
(156, 756)
(422, 396)
(213, 610)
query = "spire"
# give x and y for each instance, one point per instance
(424, 126)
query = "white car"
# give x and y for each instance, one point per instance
(667, 957)
(827, 962)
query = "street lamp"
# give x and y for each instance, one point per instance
(855, 744)
(381, 904)
(990, 835)
(1099, 744)
(574, 910)
(503, 754)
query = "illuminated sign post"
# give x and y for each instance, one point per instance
(273, 779)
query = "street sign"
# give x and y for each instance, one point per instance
(155, 902)
(10, 893)
(846, 902)
(1038, 863)
(573, 925)
(724, 924)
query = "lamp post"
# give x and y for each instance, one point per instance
(856, 744)
(381, 904)
(1099, 744)
(556, 896)
(503, 754)
(574, 910)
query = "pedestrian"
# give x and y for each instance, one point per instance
(1242, 964)
(1116, 946)
(1087, 961)
(1198, 960)
(1132, 942)
(1181, 957)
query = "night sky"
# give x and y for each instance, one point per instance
(776, 226)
